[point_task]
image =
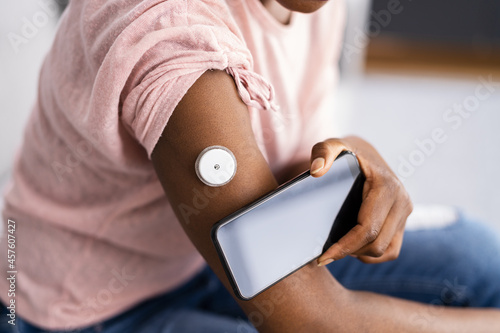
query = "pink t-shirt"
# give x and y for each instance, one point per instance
(95, 233)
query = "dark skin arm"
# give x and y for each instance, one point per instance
(310, 300)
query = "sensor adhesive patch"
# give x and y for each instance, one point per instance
(215, 166)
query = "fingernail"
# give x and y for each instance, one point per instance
(325, 262)
(317, 165)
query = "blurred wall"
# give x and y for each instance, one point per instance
(465, 22)
(398, 107)
(27, 29)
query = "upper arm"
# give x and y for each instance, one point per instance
(211, 113)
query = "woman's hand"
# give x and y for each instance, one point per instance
(386, 205)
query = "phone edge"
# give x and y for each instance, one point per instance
(215, 228)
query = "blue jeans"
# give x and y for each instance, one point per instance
(458, 265)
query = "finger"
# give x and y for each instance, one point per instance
(372, 215)
(401, 210)
(392, 252)
(323, 155)
(388, 245)
(393, 224)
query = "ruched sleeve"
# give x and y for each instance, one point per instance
(174, 43)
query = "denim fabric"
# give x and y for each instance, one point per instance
(458, 265)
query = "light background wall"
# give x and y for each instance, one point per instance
(19, 71)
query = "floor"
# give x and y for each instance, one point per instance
(398, 112)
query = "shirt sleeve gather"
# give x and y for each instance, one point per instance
(254, 90)
(172, 57)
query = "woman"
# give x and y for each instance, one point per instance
(107, 200)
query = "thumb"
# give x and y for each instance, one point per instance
(323, 155)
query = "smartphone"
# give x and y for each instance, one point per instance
(272, 237)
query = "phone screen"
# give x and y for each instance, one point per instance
(286, 229)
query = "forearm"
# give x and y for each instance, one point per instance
(311, 300)
(380, 313)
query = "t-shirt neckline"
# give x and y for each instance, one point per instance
(268, 20)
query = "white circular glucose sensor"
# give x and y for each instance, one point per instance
(215, 166)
